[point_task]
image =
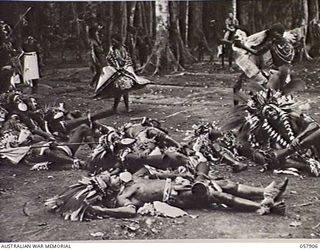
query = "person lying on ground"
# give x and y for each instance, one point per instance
(106, 196)
(23, 126)
(216, 146)
(60, 122)
(20, 144)
(274, 133)
(124, 148)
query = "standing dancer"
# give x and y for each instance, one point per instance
(118, 77)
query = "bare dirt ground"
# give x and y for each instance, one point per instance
(203, 93)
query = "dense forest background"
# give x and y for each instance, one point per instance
(61, 26)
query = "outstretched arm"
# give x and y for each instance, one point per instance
(126, 209)
(307, 137)
(119, 212)
(255, 52)
(171, 176)
(310, 129)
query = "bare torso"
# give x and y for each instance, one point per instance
(149, 190)
(142, 191)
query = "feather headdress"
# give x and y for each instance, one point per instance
(73, 203)
(262, 106)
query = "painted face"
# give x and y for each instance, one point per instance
(270, 113)
(275, 123)
(105, 176)
(34, 103)
(115, 182)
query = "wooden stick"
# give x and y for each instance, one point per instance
(20, 19)
(44, 146)
(176, 113)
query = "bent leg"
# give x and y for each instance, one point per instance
(77, 137)
(229, 158)
(72, 124)
(162, 137)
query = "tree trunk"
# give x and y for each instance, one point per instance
(234, 8)
(124, 21)
(132, 11)
(313, 9)
(139, 15)
(183, 21)
(252, 20)
(187, 24)
(110, 28)
(161, 58)
(260, 23)
(305, 22)
(198, 40)
(305, 19)
(148, 13)
(183, 56)
(78, 30)
(132, 36)
(144, 18)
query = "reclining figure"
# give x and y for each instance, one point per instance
(275, 133)
(106, 195)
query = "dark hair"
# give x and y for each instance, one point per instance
(278, 27)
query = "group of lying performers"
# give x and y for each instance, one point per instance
(43, 136)
(130, 166)
(141, 163)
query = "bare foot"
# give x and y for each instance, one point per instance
(271, 194)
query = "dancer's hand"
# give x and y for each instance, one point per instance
(295, 144)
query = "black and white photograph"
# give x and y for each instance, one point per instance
(159, 120)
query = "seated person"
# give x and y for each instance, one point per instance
(231, 23)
